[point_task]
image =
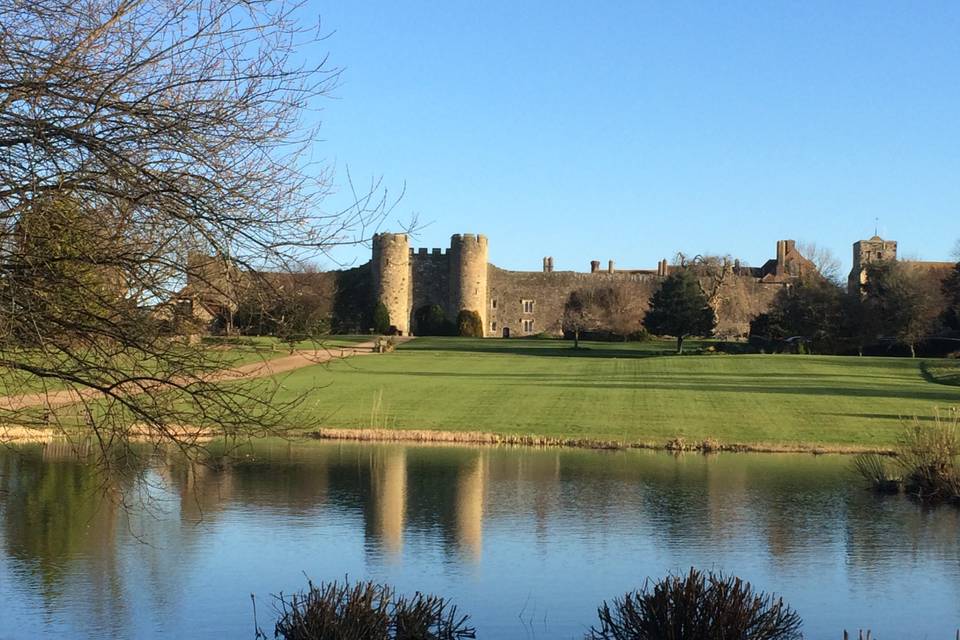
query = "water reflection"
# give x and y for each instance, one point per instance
(569, 527)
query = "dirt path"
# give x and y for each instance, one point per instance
(262, 369)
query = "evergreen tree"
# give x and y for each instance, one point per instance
(951, 294)
(680, 309)
(381, 319)
(809, 308)
(431, 320)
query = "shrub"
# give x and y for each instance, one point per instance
(469, 324)
(927, 453)
(697, 605)
(381, 319)
(926, 456)
(431, 320)
(367, 611)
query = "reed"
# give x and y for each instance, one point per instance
(24, 435)
(927, 454)
(874, 469)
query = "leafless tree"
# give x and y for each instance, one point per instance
(580, 313)
(713, 272)
(824, 260)
(604, 309)
(134, 134)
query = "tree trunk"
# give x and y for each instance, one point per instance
(913, 351)
(576, 338)
(679, 344)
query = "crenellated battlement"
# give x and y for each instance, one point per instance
(409, 281)
(466, 239)
(423, 252)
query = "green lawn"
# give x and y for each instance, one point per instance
(627, 392)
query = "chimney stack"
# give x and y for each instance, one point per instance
(594, 266)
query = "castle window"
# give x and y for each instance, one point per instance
(493, 303)
(527, 306)
(493, 326)
(528, 326)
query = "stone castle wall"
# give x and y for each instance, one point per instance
(522, 302)
(431, 279)
(740, 299)
(532, 302)
(547, 293)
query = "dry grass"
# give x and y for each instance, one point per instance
(486, 438)
(25, 435)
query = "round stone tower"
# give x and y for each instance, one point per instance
(391, 277)
(468, 275)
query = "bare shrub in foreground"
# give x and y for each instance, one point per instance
(697, 605)
(367, 611)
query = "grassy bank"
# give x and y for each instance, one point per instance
(626, 393)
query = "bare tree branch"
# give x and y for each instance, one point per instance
(135, 134)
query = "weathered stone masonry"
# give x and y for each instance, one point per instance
(518, 303)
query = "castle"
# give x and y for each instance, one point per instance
(514, 303)
(523, 303)
(876, 249)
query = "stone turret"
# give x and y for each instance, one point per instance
(468, 275)
(391, 277)
(866, 252)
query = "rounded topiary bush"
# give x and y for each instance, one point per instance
(469, 324)
(697, 605)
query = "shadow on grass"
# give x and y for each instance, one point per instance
(943, 372)
(546, 348)
(811, 390)
(878, 416)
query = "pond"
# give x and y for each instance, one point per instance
(527, 541)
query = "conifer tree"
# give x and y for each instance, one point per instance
(951, 294)
(381, 319)
(680, 309)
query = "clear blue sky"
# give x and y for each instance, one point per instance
(630, 131)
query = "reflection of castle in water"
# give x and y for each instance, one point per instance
(388, 494)
(400, 501)
(471, 487)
